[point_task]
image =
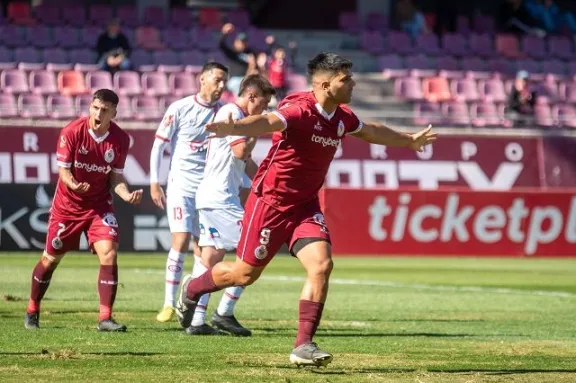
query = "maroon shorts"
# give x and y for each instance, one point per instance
(64, 233)
(265, 229)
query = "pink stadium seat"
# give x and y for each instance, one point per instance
(508, 46)
(492, 90)
(166, 101)
(43, 82)
(31, 106)
(98, 80)
(182, 84)
(146, 108)
(567, 92)
(155, 84)
(485, 114)
(140, 57)
(71, 83)
(127, 83)
(400, 43)
(8, 106)
(372, 42)
(548, 89)
(564, 115)
(55, 56)
(427, 113)
(124, 109)
(14, 81)
(149, 38)
(60, 107)
(409, 88)
(456, 113)
(464, 89)
(82, 104)
(543, 115)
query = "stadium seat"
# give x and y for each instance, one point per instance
(98, 80)
(427, 43)
(507, 45)
(39, 36)
(31, 106)
(71, 83)
(166, 101)
(14, 81)
(400, 43)
(456, 113)
(176, 38)
(205, 40)
(8, 106)
(74, 15)
(474, 64)
(463, 25)
(146, 108)
(192, 57)
(124, 109)
(502, 65)
(84, 68)
(534, 47)
(60, 107)
(418, 61)
(556, 67)
(140, 57)
(67, 37)
(561, 47)
(408, 88)
(82, 105)
(6, 59)
(375, 21)
(148, 38)
(55, 56)
(166, 57)
(349, 22)
(155, 84)
(99, 14)
(447, 63)
(532, 66)
(48, 14)
(481, 45)
(216, 55)
(427, 113)
(12, 36)
(485, 114)
(543, 115)
(155, 17)
(127, 83)
(297, 82)
(181, 18)
(19, 13)
(27, 55)
(492, 90)
(82, 56)
(210, 18)
(128, 15)
(436, 89)
(89, 35)
(564, 115)
(464, 89)
(484, 23)
(372, 42)
(43, 82)
(239, 18)
(455, 44)
(182, 84)
(168, 68)
(548, 89)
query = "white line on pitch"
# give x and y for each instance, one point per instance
(413, 286)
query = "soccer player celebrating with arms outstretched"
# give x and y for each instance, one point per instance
(91, 152)
(283, 206)
(220, 207)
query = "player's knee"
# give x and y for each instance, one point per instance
(50, 261)
(323, 267)
(181, 242)
(246, 279)
(108, 256)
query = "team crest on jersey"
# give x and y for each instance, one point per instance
(168, 120)
(109, 219)
(341, 129)
(261, 252)
(57, 243)
(109, 155)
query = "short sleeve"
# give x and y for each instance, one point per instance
(120, 163)
(289, 113)
(65, 148)
(352, 123)
(237, 114)
(168, 125)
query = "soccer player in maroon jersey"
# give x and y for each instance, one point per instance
(91, 153)
(283, 206)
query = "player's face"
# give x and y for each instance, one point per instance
(213, 83)
(341, 86)
(101, 113)
(257, 103)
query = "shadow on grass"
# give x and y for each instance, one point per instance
(339, 333)
(106, 353)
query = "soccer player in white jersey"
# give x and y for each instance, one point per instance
(220, 207)
(183, 129)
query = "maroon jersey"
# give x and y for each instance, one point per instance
(296, 165)
(91, 159)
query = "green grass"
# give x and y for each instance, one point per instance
(413, 320)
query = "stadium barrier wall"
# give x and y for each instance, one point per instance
(457, 222)
(27, 155)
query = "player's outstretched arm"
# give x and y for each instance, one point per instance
(120, 187)
(380, 134)
(251, 126)
(68, 179)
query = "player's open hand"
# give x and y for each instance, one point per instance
(423, 138)
(221, 128)
(80, 187)
(134, 197)
(158, 196)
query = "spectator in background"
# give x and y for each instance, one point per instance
(521, 100)
(113, 49)
(409, 19)
(242, 60)
(515, 18)
(277, 71)
(550, 17)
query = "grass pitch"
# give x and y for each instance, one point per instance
(386, 320)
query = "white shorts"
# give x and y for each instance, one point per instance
(220, 228)
(182, 214)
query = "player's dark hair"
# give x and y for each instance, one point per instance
(106, 95)
(214, 65)
(328, 62)
(259, 82)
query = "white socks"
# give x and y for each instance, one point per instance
(229, 299)
(174, 268)
(200, 312)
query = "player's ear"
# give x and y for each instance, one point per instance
(114, 113)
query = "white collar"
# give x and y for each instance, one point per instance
(96, 138)
(324, 113)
